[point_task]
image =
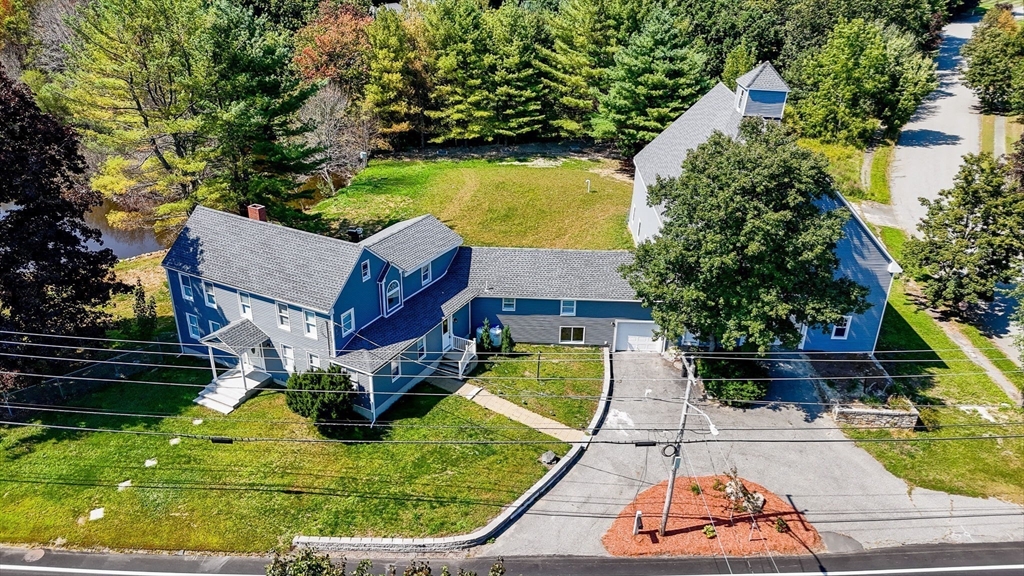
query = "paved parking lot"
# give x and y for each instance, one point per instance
(841, 489)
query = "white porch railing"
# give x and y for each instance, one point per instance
(468, 348)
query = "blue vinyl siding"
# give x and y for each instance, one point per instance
(769, 104)
(538, 321)
(362, 297)
(412, 283)
(413, 370)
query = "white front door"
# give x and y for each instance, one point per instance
(446, 334)
(252, 359)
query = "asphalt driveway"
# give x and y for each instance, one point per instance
(841, 489)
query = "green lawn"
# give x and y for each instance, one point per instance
(1014, 130)
(148, 271)
(988, 133)
(541, 203)
(564, 371)
(844, 165)
(880, 164)
(254, 496)
(970, 467)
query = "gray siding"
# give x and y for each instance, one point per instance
(643, 220)
(544, 329)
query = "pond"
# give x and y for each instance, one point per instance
(124, 243)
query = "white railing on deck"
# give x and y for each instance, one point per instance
(468, 355)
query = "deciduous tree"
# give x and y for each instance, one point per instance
(52, 281)
(738, 62)
(747, 249)
(334, 46)
(970, 239)
(991, 55)
(656, 77)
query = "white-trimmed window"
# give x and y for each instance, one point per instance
(571, 334)
(288, 357)
(632, 214)
(193, 325)
(245, 305)
(394, 295)
(214, 326)
(508, 304)
(348, 322)
(568, 308)
(425, 275)
(365, 270)
(309, 324)
(211, 298)
(841, 329)
(186, 287)
(396, 369)
(421, 348)
(283, 320)
(314, 361)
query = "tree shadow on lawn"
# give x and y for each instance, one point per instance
(911, 370)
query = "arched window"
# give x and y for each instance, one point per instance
(394, 295)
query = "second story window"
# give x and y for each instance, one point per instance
(394, 295)
(841, 329)
(283, 321)
(568, 308)
(348, 322)
(193, 325)
(508, 304)
(425, 275)
(186, 287)
(214, 326)
(245, 305)
(309, 323)
(365, 269)
(211, 298)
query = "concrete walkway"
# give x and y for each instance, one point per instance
(510, 410)
(945, 127)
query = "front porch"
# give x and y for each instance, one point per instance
(228, 390)
(245, 341)
(458, 362)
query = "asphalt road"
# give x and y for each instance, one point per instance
(907, 560)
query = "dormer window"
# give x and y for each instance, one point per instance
(365, 269)
(393, 295)
(425, 275)
(741, 99)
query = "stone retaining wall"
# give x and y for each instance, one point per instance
(875, 417)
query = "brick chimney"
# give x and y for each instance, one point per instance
(258, 212)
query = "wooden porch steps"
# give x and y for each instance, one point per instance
(230, 389)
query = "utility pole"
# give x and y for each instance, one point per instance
(678, 448)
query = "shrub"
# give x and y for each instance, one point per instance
(507, 343)
(781, 526)
(315, 394)
(709, 531)
(144, 310)
(304, 563)
(486, 345)
(733, 382)
(695, 488)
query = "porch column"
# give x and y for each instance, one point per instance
(213, 365)
(241, 369)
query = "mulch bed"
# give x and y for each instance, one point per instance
(689, 516)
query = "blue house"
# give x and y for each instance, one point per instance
(762, 92)
(391, 310)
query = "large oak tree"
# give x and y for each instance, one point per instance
(747, 250)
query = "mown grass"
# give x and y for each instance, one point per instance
(542, 203)
(881, 161)
(993, 353)
(844, 165)
(988, 133)
(147, 270)
(254, 496)
(940, 378)
(1014, 131)
(565, 371)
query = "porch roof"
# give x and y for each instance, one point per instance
(237, 337)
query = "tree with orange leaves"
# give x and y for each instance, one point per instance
(333, 46)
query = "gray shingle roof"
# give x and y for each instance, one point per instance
(412, 243)
(274, 261)
(237, 337)
(763, 77)
(714, 112)
(491, 272)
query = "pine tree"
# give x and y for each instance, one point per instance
(656, 77)
(585, 36)
(391, 88)
(253, 104)
(517, 91)
(457, 43)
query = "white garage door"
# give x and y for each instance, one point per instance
(637, 336)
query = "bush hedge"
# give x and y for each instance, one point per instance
(309, 394)
(739, 386)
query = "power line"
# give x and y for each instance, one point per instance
(232, 439)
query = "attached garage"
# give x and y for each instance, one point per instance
(631, 335)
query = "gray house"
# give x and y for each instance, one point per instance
(391, 310)
(762, 92)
